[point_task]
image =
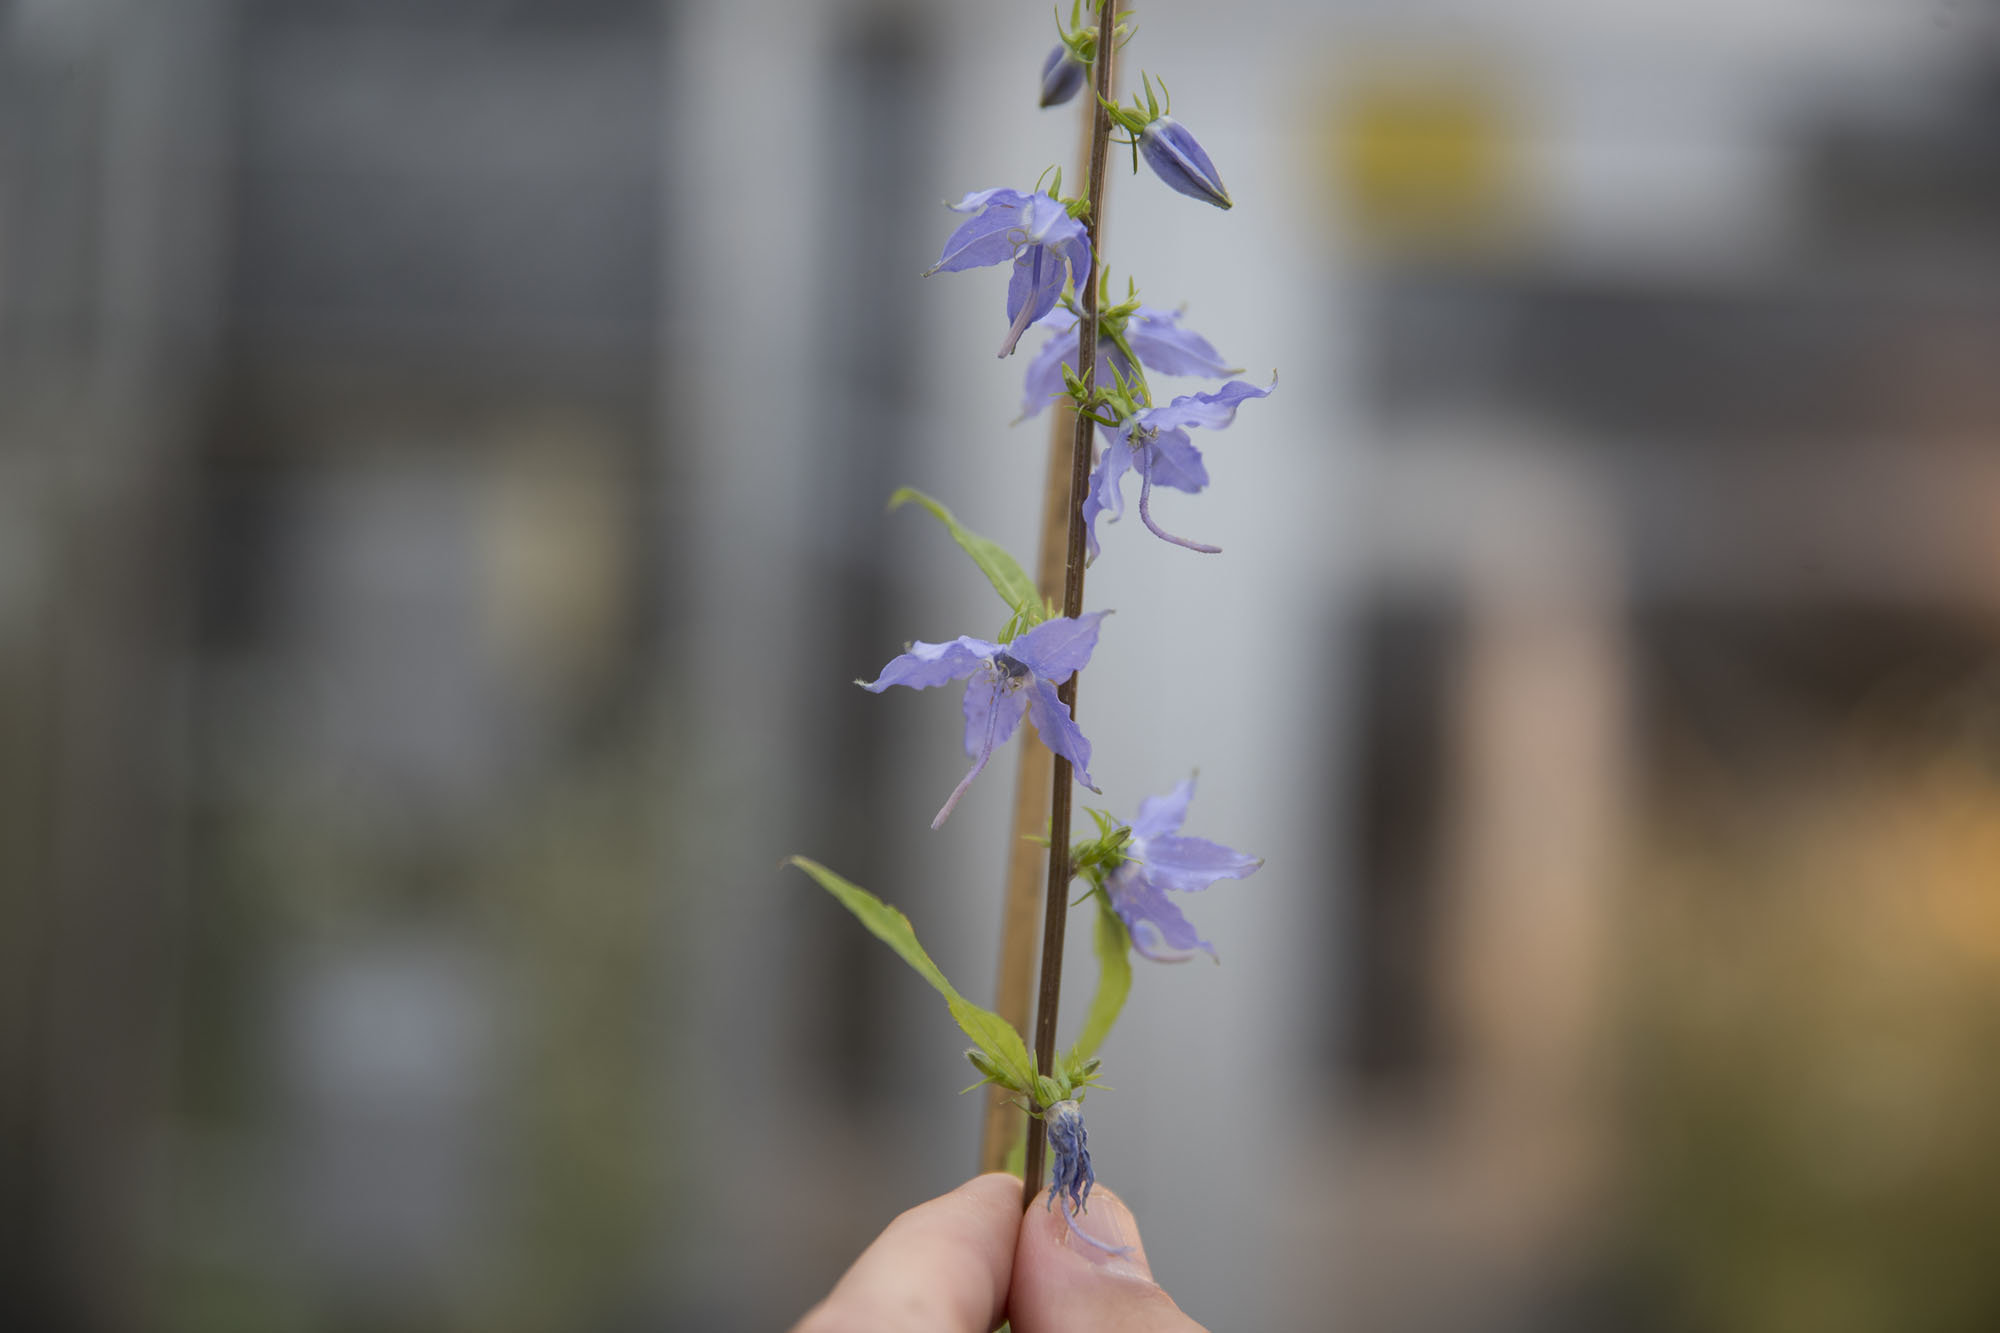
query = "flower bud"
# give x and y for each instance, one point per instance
(984, 1063)
(1062, 76)
(1178, 160)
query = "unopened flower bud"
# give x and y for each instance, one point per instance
(986, 1067)
(1178, 160)
(1062, 75)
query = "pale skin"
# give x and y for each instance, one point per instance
(969, 1259)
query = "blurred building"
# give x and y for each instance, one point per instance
(1681, 407)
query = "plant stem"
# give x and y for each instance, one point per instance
(1026, 865)
(1055, 907)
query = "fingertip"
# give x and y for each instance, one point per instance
(1062, 1281)
(942, 1265)
(995, 1192)
(1107, 1220)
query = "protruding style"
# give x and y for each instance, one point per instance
(1048, 247)
(1155, 441)
(1005, 681)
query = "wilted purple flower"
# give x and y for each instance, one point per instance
(1047, 245)
(1162, 861)
(1178, 160)
(1062, 75)
(1070, 1176)
(1155, 441)
(1007, 680)
(1155, 336)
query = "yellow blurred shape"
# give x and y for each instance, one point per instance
(1425, 155)
(556, 543)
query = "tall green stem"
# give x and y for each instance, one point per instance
(1055, 913)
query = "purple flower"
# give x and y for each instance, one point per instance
(1155, 336)
(1070, 1176)
(1047, 245)
(1178, 160)
(1155, 441)
(1062, 75)
(1007, 680)
(1161, 861)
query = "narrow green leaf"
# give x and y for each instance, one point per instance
(995, 1035)
(1001, 569)
(1114, 982)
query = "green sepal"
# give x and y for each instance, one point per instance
(1001, 569)
(996, 1038)
(1114, 982)
(1096, 858)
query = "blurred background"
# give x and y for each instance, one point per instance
(442, 455)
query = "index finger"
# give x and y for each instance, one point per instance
(941, 1267)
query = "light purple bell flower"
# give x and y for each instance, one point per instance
(1070, 1176)
(1161, 862)
(1047, 246)
(1156, 338)
(1178, 160)
(1062, 75)
(1005, 681)
(1155, 441)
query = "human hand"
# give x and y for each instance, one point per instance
(964, 1261)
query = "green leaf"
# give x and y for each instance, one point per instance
(1001, 569)
(995, 1036)
(1114, 982)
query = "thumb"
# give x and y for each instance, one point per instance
(1064, 1284)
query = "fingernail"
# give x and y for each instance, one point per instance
(1109, 1220)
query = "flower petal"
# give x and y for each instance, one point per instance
(1161, 815)
(1107, 494)
(1175, 462)
(1044, 379)
(1159, 930)
(979, 199)
(1189, 865)
(928, 664)
(1210, 410)
(985, 724)
(991, 238)
(1058, 729)
(1047, 222)
(1159, 340)
(1032, 291)
(1055, 648)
